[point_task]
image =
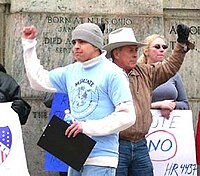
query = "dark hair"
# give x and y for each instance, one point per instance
(2, 68)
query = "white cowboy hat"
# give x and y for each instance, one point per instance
(121, 37)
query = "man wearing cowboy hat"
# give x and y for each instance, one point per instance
(134, 158)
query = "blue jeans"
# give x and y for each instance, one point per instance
(62, 173)
(91, 170)
(134, 159)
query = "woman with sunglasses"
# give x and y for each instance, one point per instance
(170, 95)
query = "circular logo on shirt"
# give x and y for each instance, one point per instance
(85, 98)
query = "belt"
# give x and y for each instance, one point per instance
(134, 141)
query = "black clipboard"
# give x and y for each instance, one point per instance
(72, 151)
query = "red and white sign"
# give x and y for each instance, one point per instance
(171, 144)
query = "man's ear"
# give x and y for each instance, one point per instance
(116, 53)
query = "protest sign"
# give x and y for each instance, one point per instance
(171, 144)
(59, 104)
(12, 157)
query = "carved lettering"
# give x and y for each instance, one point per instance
(194, 30)
(52, 40)
(78, 20)
(40, 114)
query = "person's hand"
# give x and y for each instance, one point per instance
(22, 108)
(18, 107)
(165, 113)
(168, 104)
(74, 129)
(183, 33)
(29, 32)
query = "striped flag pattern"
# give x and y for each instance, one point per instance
(5, 143)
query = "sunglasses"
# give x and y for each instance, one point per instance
(157, 46)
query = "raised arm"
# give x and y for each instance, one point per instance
(169, 67)
(37, 75)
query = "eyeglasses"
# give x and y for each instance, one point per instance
(157, 46)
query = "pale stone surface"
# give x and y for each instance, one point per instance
(181, 4)
(4, 1)
(92, 6)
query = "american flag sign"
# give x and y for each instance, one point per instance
(5, 143)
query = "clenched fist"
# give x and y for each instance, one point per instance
(183, 33)
(29, 32)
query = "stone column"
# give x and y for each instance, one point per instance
(4, 7)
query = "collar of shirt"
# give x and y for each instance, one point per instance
(93, 61)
